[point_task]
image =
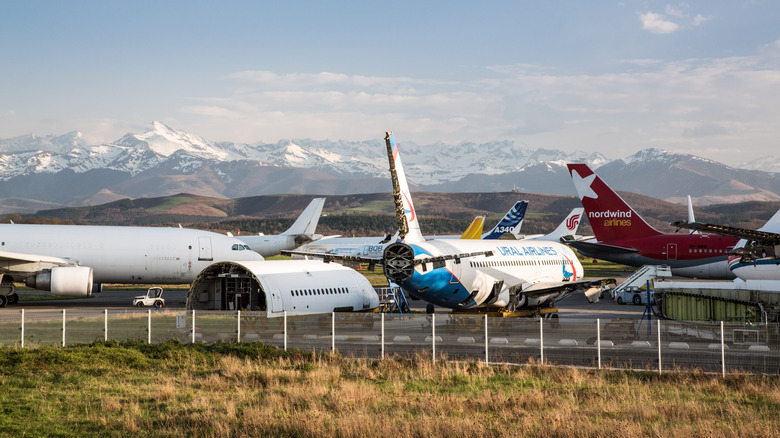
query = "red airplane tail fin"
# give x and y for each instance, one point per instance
(609, 215)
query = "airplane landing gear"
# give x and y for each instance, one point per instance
(3, 300)
(13, 298)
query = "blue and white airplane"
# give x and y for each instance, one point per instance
(474, 274)
(374, 247)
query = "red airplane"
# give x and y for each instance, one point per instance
(622, 236)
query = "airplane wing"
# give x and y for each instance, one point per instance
(564, 288)
(763, 237)
(9, 259)
(593, 246)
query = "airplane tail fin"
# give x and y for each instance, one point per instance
(609, 215)
(307, 221)
(774, 220)
(408, 226)
(691, 218)
(569, 225)
(510, 223)
(474, 231)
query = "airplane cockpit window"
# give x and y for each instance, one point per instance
(235, 247)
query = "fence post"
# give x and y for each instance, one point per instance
(659, 345)
(541, 339)
(383, 335)
(333, 331)
(22, 343)
(238, 326)
(722, 351)
(487, 358)
(433, 336)
(63, 327)
(149, 327)
(105, 324)
(598, 339)
(285, 330)
(193, 326)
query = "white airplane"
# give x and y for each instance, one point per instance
(300, 233)
(69, 260)
(373, 247)
(474, 274)
(567, 229)
(756, 256)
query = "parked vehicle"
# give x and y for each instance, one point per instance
(633, 294)
(153, 297)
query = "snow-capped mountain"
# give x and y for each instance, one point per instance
(163, 161)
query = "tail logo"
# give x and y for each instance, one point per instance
(566, 274)
(572, 222)
(583, 185)
(411, 210)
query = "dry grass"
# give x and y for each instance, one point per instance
(181, 390)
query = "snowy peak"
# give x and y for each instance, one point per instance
(49, 143)
(164, 140)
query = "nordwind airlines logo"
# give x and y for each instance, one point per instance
(612, 218)
(572, 222)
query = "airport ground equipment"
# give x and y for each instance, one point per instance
(640, 277)
(392, 300)
(153, 297)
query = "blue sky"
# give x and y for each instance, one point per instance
(701, 77)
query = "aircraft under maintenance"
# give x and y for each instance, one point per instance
(473, 275)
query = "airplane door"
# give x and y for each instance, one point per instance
(276, 300)
(204, 244)
(671, 251)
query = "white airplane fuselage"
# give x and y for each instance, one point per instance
(474, 281)
(139, 255)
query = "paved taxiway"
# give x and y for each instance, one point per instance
(573, 307)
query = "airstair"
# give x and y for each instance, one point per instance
(392, 300)
(640, 276)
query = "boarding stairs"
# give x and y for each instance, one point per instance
(392, 300)
(640, 276)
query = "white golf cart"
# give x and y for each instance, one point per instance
(153, 297)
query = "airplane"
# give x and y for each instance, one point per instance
(74, 260)
(622, 236)
(374, 246)
(567, 228)
(757, 254)
(473, 274)
(300, 233)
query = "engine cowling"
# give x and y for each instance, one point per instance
(66, 281)
(398, 262)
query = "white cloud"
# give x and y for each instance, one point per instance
(657, 23)
(699, 19)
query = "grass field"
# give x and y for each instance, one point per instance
(174, 389)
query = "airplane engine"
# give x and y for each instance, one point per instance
(398, 262)
(67, 281)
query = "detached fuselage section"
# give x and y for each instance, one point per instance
(298, 287)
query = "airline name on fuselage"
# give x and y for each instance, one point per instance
(526, 251)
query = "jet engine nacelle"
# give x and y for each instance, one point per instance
(66, 281)
(398, 262)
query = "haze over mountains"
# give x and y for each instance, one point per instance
(52, 170)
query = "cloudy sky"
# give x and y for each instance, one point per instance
(701, 76)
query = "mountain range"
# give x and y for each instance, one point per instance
(45, 172)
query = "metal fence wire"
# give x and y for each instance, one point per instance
(657, 345)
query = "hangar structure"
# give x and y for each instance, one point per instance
(299, 287)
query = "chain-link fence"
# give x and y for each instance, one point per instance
(596, 343)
